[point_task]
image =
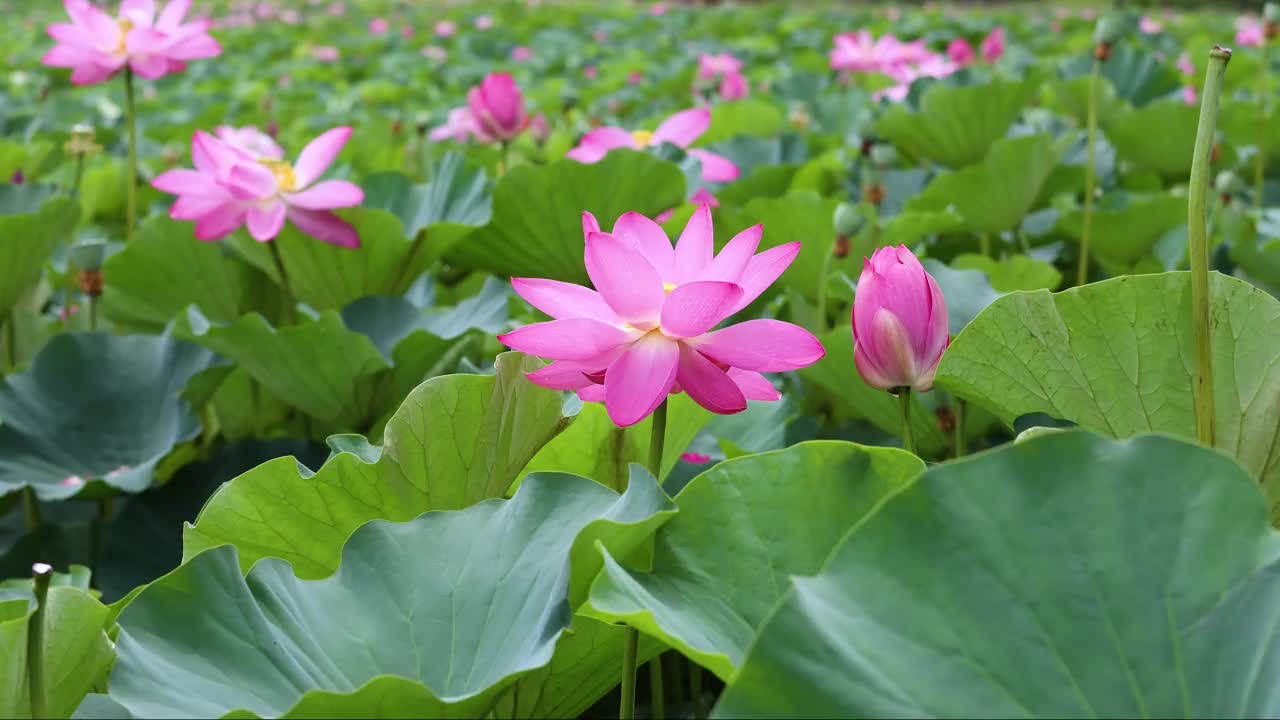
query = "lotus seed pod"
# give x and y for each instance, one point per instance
(883, 155)
(1107, 31)
(847, 220)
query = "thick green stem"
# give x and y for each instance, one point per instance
(1260, 160)
(502, 160)
(41, 574)
(658, 438)
(695, 690)
(289, 301)
(131, 180)
(1197, 199)
(93, 312)
(75, 183)
(657, 690)
(31, 508)
(961, 445)
(627, 708)
(984, 244)
(1090, 179)
(904, 403)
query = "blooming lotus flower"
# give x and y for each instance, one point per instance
(459, 126)
(1148, 25)
(680, 129)
(993, 45)
(647, 330)
(961, 52)
(325, 54)
(734, 87)
(251, 140)
(861, 52)
(1184, 64)
(899, 322)
(446, 28)
(497, 108)
(711, 67)
(378, 26)
(521, 54)
(484, 22)
(1249, 33)
(229, 187)
(97, 46)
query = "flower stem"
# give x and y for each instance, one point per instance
(41, 574)
(1090, 172)
(502, 160)
(93, 312)
(289, 301)
(1197, 198)
(961, 446)
(904, 402)
(657, 438)
(1260, 160)
(657, 693)
(695, 689)
(131, 181)
(627, 708)
(984, 244)
(31, 508)
(75, 183)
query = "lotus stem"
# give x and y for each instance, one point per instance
(904, 402)
(1090, 171)
(627, 707)
(41, 574)
(131, 180)
(289, 301)
(1197, 198)
(75, 183)
(961, 445)
(657, 693)
(1260, 160)
(984, 244)
(695, 689)
(93, 312)
(31, 508)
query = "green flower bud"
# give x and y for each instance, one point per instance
(847, 220)
(1107, 31)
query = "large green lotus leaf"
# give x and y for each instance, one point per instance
(744, 528)
(1157, 137)
(1242, 122)
(456, 440)
(96, 409)
(1071, 97)
(1134, 74)
(1016, 272)
(77, 652)
(1065, 576)
(997, 194)
(428, 618)
(27, 239)
(837, 375)
(318, 365)
(749, 116)
(955, 126)
(594, 447)
(451, 204)
(164, 269)
(1116, 357)
(803, 216)
(909, 228)
(536, 230)
(1125, 235)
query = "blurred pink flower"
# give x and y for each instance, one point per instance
(899, 321)
(600, 36)
(71, 481)
(961, 52)
(378, 26)
(711, 67)
(484, 22)
(229, 188)
(734, 87)
(993, 45)
(435, 52)
(497, 108)
(290, 17)
(1185, 66)
(1249, 33)
(590, 72)
(459, 127)
(325, 54)
(97, 46)
(1148, 25)
(701, 197)
(521, 54)
(635, 77)
(695, 457)
(539, 128)
(861, 52)
(251, 140)
(406, 31)
(659, 9)
(446, 28)
(1189, 94)
(338, 9)
(646, 331)
(681, 129)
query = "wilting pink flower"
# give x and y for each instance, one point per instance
(251, 140)
(446, 28)
(378, 26)
(325, 54)
(1148, 25)
(484, 22)
(97, 46)
(899, 322)
(1185, 66)
(590, 72)
(229, 188)
(458, 127)
(647, 329)
(521, 54)
(695, 458)
(961, 52)
(1249, 33)
(680, 129)
(711, 67)
(993, 45)
(497, 108)
(435, 52)
(1189, 94)
(734, 87)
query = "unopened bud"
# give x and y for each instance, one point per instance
(847, 220)
(1107, 31)
(539, 128)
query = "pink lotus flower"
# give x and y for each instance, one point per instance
(659, 9)
(459, 126)
(435, 52)
(1148, 25)
(540, 128)
(229, 188)
(734, 87)
(992, 47)
(406, 32)
(1185, 66)
(521, 54)
(1249, 33)
(961, 52)
(325, 54)
(1189, 94)
(590, 72)
(861, 52)
(446, 28)
(899, 322)
(701, 197)
(635, 77)
(251, 140)
(646, 331)
(711, 67)
(680, 129)
(378, 26)
(337, 9)
(497, 108)
(97, 46)
(484, 22)
(695, 458)
(600, 36)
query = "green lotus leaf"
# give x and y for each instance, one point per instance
(1157, 137)
(909, 228)
(536, 230)
(1125, 234)
(1135, 75)
(96, 410)
(749, 116)
(1116, 357)
(27, 239)
(455, 200)
(804, 216)
(956, 126)
(744, 527)
(429, 618)
(1068, 575)
(1016, 272)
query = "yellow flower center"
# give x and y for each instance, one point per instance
(125, 25)
(283, 173)
(668, 287)
(642, 137)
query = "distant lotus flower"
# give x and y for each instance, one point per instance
(521, 54)
(861, 52)
(711, 67)
(590, 72)
(1189, 94)
(325, 54)
(961, 52)
(18, 177)
(406, 32)
(1249, 33)
(701, 197)
(97, 46)
(635, 77)
(600, 36)
(338, 9)
(539, 128)
(251, 140)
(899, 322)
(497, 107)
(459, 127)
(681, 129)
(992, 47)
(1148, 25)
(446, 28)
(435, 52)
(695, 458)
(734, 87)
(484, 22)
(646, 331)
(290, 17)
(1185, 66)
(659, 9)
(229, 188)
(378, 26)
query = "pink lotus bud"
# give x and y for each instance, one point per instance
(590, 72)
(484, 22)
(961, 52)
(734, 87)
(521, 54)
(446, 28)
(993, 45)
(497, 106)
(899, 322)
(540, 128)
(378, 26)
